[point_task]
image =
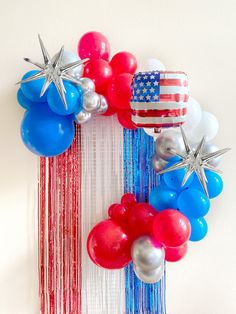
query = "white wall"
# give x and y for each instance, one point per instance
(195, 36)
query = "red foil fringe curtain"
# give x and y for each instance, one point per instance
(60, 232)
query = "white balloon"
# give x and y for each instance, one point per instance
(151, 132)
(208, 127)
(152, 64)
(194, 114)
(69, 57)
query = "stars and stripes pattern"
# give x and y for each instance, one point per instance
(159, 99)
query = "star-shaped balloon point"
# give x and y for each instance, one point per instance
(195, 161)
(53, 71)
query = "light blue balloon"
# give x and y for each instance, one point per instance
(215, 184)
(46, 133)
(23, 101)
(74, 99)
(162, 198)
(32, 90)
(193, 203)
(199, 229)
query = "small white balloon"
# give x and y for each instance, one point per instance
(151, 132)
(149, 276)
(152, 64)
(208, 127)
(69, 57)
(194, 114)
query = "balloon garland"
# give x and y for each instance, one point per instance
(69, 89)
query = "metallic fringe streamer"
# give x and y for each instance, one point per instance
(59, 231)
(103, 291)
(139, 178)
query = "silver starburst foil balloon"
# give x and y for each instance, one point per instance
(158, 164)
(149, 276)
(91, 101)
(167, 142)
(210, 148)
(82, 117)
(53, 71)
(146, 254)
(195, 161)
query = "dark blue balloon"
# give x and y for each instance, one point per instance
(46, 133)
(193, 203)
(214, 184)
(74, 100)
(23, 101)
(162, 198)
(32, 90)
(174, 179)
(199, 229)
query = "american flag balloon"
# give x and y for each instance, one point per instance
(159, 99)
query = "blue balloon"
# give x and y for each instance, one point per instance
(23, 101)
(174, 179)
(193, 203)
(32, 90)
(214, 184)
(162, 198)
(199, 229)
(74, 100)
(46, 133)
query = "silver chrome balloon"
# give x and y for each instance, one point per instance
(150, 276)
(86, 84)
(167, 142)
(103, 105)
(82, 117)
(158, 163)
(146, 255)
(91, 101)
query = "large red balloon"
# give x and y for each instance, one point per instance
(140, 219)
(94, 45)
(109, 246)
(124, 117)
(100, 72)
(175, 254)
(123, 62)
(171, 228)
(119, 91)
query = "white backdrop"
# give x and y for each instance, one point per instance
(195, 36)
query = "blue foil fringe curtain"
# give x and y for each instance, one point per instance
(139, 178)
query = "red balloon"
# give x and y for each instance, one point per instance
(109, 246)
(175, 254)
(124, 117)
(94, 45)
(128, 199)
(118, 212)
(119, 91)
(100, 72)
(171, 228)
(123, 62)
(110, 111)
(140, 219)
